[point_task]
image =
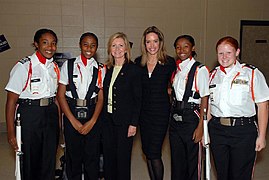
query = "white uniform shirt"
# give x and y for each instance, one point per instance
(82, 76)
(42, 82)
(201, 81)
(231, 93)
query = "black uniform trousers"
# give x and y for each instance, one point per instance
(117, 149)
(40, 136)
(184, 152)
(233, 150)
(82, 151)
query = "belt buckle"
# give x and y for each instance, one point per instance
(44, 102)
(225, 121)
(81, 102)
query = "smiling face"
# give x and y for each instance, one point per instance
(152, 43)
(184, 49)
(46, 45)
(227, 54)
(88, 46)
(118, 49)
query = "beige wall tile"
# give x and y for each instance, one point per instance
(114, 22)
(94, 11)
(51, 9)
(19, 8)
(72, 31)
(72, 9)
(71, 42)
(92, 21)
(76, 20)
(111, 30)
(115, 11)
(45, 20)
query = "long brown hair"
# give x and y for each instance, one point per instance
(161, 55)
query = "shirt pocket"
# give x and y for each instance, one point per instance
(239, 94)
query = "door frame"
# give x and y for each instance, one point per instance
(244, 23)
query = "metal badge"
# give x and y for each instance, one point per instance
(81, 112)
(177, 117)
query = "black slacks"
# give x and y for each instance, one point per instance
(40, 135)
(82, 151)
(184, 152)
(233, 150)
(117, 149)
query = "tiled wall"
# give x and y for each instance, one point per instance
(205, 20)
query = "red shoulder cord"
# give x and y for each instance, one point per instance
(252, 85)
(174, 72)
(100, 76)
(195, 80)
(28, 77)
(212, 75)
(57, 71)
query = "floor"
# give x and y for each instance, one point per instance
(139, 169)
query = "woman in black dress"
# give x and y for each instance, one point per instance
(157, 68)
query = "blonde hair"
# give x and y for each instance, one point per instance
(111, 61)
(161, 55)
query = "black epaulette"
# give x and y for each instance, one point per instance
(201, 65)
(24, 60)
(249, 66)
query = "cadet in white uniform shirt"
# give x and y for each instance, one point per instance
(33, 84)
(235, 134)
(190, 98)
(81, 98)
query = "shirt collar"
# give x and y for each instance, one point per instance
(35, 60)
(83, 59)
(90, 62)
(41, 58)
(187, 63)
(235, 67)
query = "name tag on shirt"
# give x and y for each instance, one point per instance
(35, 80)
(240, 81)
(212, 86)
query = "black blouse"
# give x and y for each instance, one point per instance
(155, 96)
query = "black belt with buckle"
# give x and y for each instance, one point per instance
(37, 102)
(180, 105)
(82, 102)
(235, 121)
